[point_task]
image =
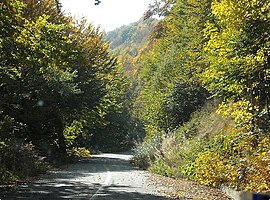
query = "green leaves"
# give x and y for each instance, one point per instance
(174, 57)
(217, 49)
(56, 75)
(237, 49)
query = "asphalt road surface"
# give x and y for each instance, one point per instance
(105, 176)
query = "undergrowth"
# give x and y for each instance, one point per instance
(146, 152)
(214, 149)
(77, 153)
(19, 161)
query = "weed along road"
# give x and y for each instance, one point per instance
(105, 176)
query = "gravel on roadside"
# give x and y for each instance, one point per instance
(185, 189)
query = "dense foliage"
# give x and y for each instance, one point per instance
(169, 87)
(207, 49)
(61, 91)
(127, 40)
(196, 80)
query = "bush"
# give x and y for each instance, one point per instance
(210, 168)
(160, 166)
(214, 150)
(19, 161)
(146, 152)
(76, 153)
(177, 157)
(238, 159)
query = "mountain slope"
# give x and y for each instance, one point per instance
(126, 41)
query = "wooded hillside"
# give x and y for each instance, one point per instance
(127, 41)
(203, 93)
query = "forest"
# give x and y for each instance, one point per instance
(202, 83)
(193, 83)
(63, 95)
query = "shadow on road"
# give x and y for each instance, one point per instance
(98, 164)
(67, 190)
(89, 179)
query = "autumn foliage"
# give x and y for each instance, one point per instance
(209, 50)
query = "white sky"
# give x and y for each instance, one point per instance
(109, 14)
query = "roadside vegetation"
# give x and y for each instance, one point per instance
(203, 93)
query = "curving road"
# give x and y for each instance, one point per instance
(105, 176)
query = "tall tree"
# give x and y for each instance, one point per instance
(238, 51)
(54, 73)
(170, 69)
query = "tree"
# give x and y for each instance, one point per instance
(55, 75)
(237, 51)
(174, 59)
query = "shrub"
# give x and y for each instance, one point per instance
(76, 153)
(160, 166)
(19, 161)
(146, 152)
(239, 159)
(176, 158)
(210, 168)
(233, 150)
(257, 174)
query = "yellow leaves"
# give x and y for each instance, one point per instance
(262, 155)
(32, 32)
(264, 186)
(210, 168)
(235, 160)
(241, 111)
(233, 176)
(265, 144)
(72, 131)
(15, 73)
(235, 13)
(258, 175)
(229, 42)
(78, 152)
(255, 61)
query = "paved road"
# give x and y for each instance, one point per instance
(105, 176)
